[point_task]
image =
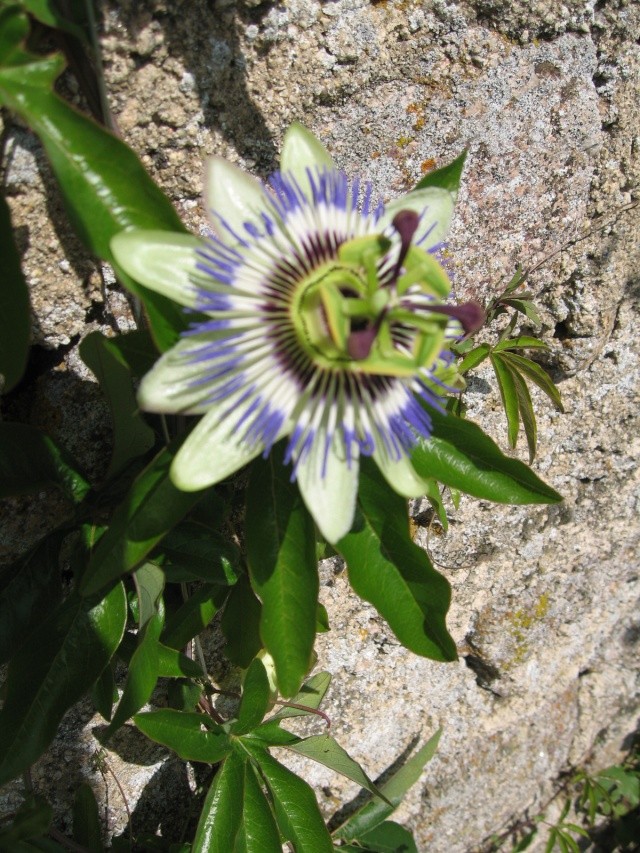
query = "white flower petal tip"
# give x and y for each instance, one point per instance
(301, 150)
(401, 475)
(163, 261)
(234, 196)
(209, 455)
(329, 489)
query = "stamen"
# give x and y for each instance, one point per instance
(405, 222)
(470, 314)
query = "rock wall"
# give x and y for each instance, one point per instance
(545, 98)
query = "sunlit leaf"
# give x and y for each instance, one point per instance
(142, 675)
(193, 737)
(390, 571)
(509, 397)
(446, 178)
(326, 750)
(536, 374)
(461, 456)
(297, 813)
(283, 569)
(104, 186)
(240, 624)
(310, 695)
(255, 699)
(376, 811)
(222, 811)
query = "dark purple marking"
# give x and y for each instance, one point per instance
(470, 314)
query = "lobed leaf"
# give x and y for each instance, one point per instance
(240, 624)
(193, 616)
(509, 397)
(221, 814)
(310, 695)
(254, 704)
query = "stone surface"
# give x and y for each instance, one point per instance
(545, 98)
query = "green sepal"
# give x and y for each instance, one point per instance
(447, 177)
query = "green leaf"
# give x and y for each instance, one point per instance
(461, 456)
(132, 437)
(528, 416)
(200, 553)
(258, 832)
(374, 812)
(193, 616)
(222, 811)
(142, 675)
(310, 695)
(47, 12)
(524, 306)
(149, 583)
(446, 178)
(183, 733)
(391, 572)
(174, 664)
(509, 396)
(297, 813)
(31, 461)
(536, 374)
(104, 186)
(136, 350)
(474, 358)
(389, 837)
(104, 693)
(270, 734)
(15, 312)
(521, 342)
(256, 694)
(30, 589)
(87, 830)
(283, 569)
(152, 507)
(326, 750)
(240, 624)
(32, 819)
(63, 658)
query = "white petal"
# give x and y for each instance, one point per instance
(401, 475)
(331, 499)
(163, 261)
(170, 386)
(234, 195)
(302, 150)
(435, 207)
(210, 453)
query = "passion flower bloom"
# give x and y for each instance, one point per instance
(318, 317)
